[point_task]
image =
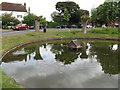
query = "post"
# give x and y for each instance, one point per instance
(37, 23)
(44, 30)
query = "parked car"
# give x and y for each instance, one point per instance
(69, 26)
(61, 26)
(20, 27)
(31, 27)
(79, 26)
(89, 26)
(73, 26)
(58, 27)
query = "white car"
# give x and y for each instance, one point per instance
(89, 26)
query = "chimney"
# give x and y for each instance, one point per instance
(25, 5)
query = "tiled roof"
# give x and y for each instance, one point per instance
(6, 6)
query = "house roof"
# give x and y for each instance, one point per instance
(6, 6)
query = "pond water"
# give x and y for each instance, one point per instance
(53, 65)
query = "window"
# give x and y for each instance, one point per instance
(19, 16)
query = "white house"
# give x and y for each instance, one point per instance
(17, 10)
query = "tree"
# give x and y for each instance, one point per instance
(118, 15)
(37, 22)
(95, 19)
(8, 19)
(43, 21)
(32, 20)
(67, 11)
(69, 5)
(107, 13)
(75, 17)
(57, 17)
(85, 17)
(66, 15)
(29, 19)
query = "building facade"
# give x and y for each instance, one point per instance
(17, 10)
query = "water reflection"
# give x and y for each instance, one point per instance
(107, 55)
(36, 65)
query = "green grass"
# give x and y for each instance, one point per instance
(10, 41)
(104, 31)
(8, 82)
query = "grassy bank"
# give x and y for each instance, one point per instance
(8, 82)
(10, 41)
(104, 30)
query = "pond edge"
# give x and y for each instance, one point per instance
(50, 39)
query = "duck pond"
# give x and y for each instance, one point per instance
(52, 64)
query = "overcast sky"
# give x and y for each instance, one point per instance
(46, 7)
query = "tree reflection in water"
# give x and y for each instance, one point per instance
(106, 56)
(104, 52)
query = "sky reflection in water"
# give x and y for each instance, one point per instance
(53, 65)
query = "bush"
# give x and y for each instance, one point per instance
(5, 27)
(52, 24)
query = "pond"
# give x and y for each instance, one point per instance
(53, 65)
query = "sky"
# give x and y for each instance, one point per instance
(46, 7)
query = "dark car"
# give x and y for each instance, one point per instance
(68, 26)
(20, 27)
(63, 26)
(80, 26)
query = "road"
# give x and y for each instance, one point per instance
(11, 32)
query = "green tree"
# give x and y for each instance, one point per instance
(57, 17)
(29, 19)
(69, 5)
(43, 21)
(67, 12)
(107, 13)
(75, 17)
(66, 16)
(8, 19)
(85, 17)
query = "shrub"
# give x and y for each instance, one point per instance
(5, 27)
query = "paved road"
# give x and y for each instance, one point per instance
(11, 32)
